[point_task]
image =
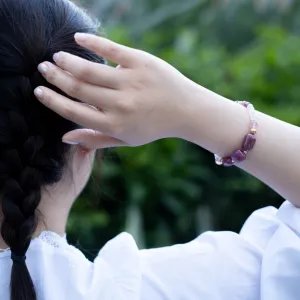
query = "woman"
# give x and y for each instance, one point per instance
(42, 177)
(263, 261)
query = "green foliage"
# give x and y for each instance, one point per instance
(170, 191)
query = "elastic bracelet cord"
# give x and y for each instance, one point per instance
(248, 143)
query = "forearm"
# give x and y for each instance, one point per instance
(219, 125)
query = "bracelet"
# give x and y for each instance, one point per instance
(248, 143)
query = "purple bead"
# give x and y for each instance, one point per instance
(249, 142)
(227, 161)
(238, 156)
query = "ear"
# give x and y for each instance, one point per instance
(84, 150)
(82, 156)
(82, 166)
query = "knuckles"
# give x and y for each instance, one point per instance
(125, 106)
(74, 88)
(69, 112)
(52, 76)
(113, 50)
(115, 127)
(85, 72)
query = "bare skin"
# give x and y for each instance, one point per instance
(145, 99)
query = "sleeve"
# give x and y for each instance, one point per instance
(262, 262)
(116, 271)
(280, 275)
(215, 266)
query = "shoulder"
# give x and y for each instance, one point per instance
(121, 258)
(114, 274)
(227, 265)
(214, 264)
(276, 233)
(61, 271)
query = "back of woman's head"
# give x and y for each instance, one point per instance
(31, 152)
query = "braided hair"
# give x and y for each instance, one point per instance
(31, 152)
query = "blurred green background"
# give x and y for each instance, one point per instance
(171, 191)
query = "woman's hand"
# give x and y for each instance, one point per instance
(138, 102)
(145, 99)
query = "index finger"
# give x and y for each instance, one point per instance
(94, 73)
(110, 50)
(79, 113)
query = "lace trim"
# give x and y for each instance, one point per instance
(52, 239)
(4, 250)
(49, 237)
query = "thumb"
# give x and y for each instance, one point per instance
(91, 139)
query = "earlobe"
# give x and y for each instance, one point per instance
(84, 150)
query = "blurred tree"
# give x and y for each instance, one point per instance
(170, 191)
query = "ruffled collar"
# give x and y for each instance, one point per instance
(48, 237)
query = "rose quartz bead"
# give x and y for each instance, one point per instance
(238, 156)
(227, 161)
(249, 142)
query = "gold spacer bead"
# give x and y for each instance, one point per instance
(253, 131)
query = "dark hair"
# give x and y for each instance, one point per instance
(31, 152)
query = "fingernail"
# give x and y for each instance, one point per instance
(56, 57)
(80, 37)
(43, 68)
(38, 93)
(71, 142)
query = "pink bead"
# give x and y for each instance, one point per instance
(238, 156)
(227, 161)
(249, 142)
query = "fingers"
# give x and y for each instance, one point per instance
(91, 139)
(96, 96)
(76, 112)
(112, 51)
(87, 71)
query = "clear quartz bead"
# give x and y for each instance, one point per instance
(251, 111)
(254, 124)
(218, 160)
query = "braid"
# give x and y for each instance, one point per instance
(32, 154)
(21, 192)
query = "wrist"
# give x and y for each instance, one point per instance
(195, 112)
(212, 121)
(189, 111)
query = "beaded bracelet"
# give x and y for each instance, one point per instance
(248, 143)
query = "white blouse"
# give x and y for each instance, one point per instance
(262, 262)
